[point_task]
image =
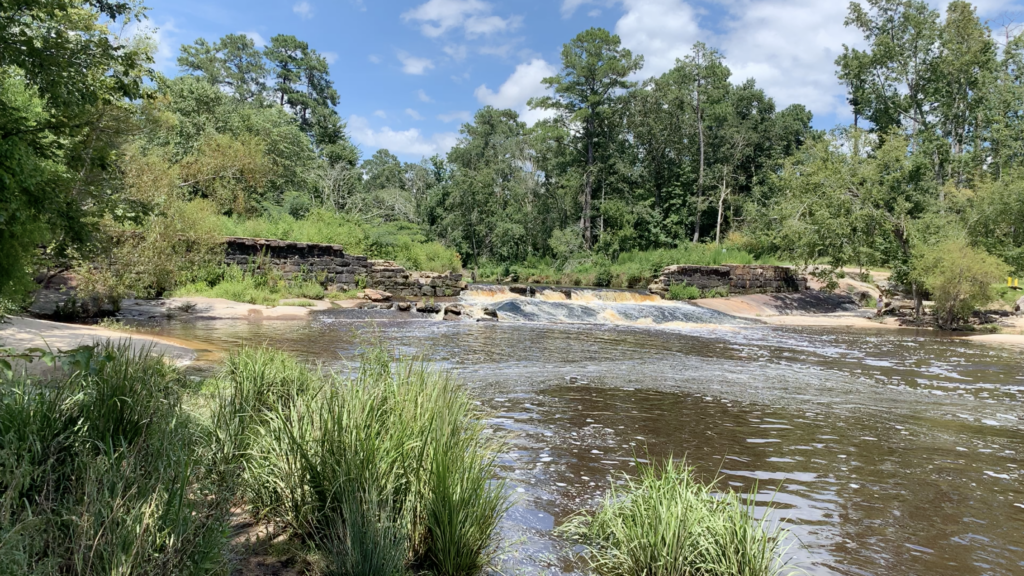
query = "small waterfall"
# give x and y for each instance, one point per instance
(594, 306)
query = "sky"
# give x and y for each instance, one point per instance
(410, 72)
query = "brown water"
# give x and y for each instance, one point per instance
(892, 452)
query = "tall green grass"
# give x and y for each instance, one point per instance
(102, 471)
(666, 523)
(239, 285)
(386, 472)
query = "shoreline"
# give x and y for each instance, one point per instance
(810, 310)
(20, 334)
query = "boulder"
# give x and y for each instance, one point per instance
(1019, 306)
(428, 307)
(404, 306)
(456, 309)
(490, 313)
(376, 295)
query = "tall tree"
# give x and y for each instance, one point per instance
(233, 62)
(595, 68)
(64, 81)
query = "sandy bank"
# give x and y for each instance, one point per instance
(798, 309)
(23, 333)
(199, 308)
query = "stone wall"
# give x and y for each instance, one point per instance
(736, 278)
(336, 270)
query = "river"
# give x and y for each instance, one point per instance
(883, 451)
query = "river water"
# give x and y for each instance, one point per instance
(883, 451)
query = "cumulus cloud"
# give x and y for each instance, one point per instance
(436, 17)
(374, 58)
(456, 52)
(422, 96)
(523, 84)
(303, 9)
(256, 38)
(413, 114)
(461, 116)
(331, 57)
(661, 30)
(410, 142)
(414, 64)
(569, 6)
(381, 114)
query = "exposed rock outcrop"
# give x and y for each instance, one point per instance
(735, 278)
(333, 268)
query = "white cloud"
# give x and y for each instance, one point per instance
(436, 17)
(661, 30)
(461, 116)
(790, 48)
(303, 9)
(374, 58)
(414, 64)
(256, 38)
(331, 57)
(569, 6)
(423, 97)
(456, 52)
(410, 142)
(381, 114)
(594, 13)
(413, 114)
(523, 84)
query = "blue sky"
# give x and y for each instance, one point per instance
(409, 72)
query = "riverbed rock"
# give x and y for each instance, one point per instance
(490, 313)
(403, 306)
(425, 307)
(456, 309)
(1019, 306)
(376, 295)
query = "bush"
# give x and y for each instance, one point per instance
(665, 523)
(386, 471)
(960, 279)
(180, 246)
(105, 472)
(683, 292)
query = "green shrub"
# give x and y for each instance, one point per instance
(603, 277)
(683, 292)
(386, 471)
(265, 289)
(665, 523)
(105, 472)
(960, 279)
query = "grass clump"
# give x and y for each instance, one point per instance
(105, 472)
(384, 473)
(265, 289)
(683, 292)
(666, 523)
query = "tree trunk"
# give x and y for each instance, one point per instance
(700, 173)
(721, 205)
(588, 186)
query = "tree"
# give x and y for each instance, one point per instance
(594, 71)
(64, 80)
(960, 278)
(233, 62)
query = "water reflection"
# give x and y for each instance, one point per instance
(891, 452)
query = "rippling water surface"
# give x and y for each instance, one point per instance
(886, 452)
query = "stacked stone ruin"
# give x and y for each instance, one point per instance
(735, 278)
(335, 270)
